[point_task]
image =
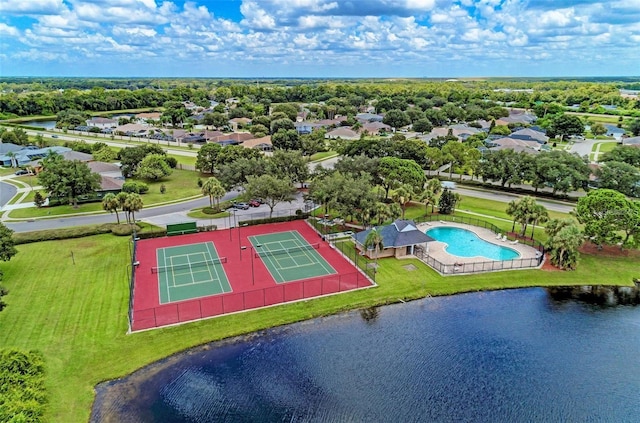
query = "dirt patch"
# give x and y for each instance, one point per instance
(547, 266)
(409, 267)
(608, 251)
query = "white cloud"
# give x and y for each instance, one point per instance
(8, 30)
(34, 7)
(393, 34)
(556, 18)
(256, 17)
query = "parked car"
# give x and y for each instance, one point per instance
(54, 136)
(241, 206)
(22, 172)
(254, 203)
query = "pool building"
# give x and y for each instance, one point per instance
(451, 247)
(399, 239)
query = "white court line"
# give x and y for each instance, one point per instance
(215, 268)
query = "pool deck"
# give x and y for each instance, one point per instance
(436, 249)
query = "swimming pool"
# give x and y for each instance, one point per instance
(463, 243)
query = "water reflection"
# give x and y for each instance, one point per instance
(510, 356)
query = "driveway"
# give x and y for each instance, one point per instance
(583, 147)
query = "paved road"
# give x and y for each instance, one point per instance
(124, 142)
(7, 191)
(583, 147)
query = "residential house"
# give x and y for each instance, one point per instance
(375, 128)
(529, 134)
(513, 143)
(399, 239)
(145, 118)
(369, 117)
(238, 123)
(111, 179)
(27, 156)
(133, 130)
(344, 133)
(517, 116)
(262, 143)
(102, 123)
(304, 128)
(7, 154)
(234, 138)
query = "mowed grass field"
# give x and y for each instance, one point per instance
(76, 314)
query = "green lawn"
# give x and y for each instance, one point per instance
(198, 214)
(180, 185)
(4, 171)
(76, 314)
(322, 155)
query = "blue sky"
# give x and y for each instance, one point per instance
(319, 38)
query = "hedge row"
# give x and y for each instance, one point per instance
(298, 216)
(74, 232)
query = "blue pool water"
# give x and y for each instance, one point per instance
(463, 243)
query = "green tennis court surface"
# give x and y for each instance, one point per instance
(289, 257)
(190, 271)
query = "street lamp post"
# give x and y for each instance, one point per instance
(253, 251)
(230, 223)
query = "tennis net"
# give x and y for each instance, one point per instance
(268, 253)
(163, 269)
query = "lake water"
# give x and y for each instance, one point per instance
(505, 356)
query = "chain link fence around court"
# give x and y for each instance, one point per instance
(200, 308)
(133, 245)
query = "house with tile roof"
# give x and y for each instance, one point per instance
(399, 239)
(344, 133)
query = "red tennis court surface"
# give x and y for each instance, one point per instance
(251, 283)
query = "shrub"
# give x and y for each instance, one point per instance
(123, 229)
(135, 187)
(210, 210)
(64, 233)
(23, 390)
(274, 219)
(171, 161)
(163, 189)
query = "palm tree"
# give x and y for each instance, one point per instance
(565, 238)
(110, 203)
(538, 215)
(403, 196)
(374, 241)
(214, 189)
(133, 203)
(521, 209)
(121, 198)
(381, 211)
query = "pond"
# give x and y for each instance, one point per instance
(504, 356)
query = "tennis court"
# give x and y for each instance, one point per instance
(190, 271)
(289, 257)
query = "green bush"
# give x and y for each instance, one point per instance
(171, 161)
(123, 229)
(210, 210)
(135, 187)
(300, 216)
(64, 233)
(22, 387)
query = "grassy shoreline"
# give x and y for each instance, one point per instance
(76, 314)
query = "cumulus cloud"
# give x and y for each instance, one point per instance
(394, 34)
(31, 7)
